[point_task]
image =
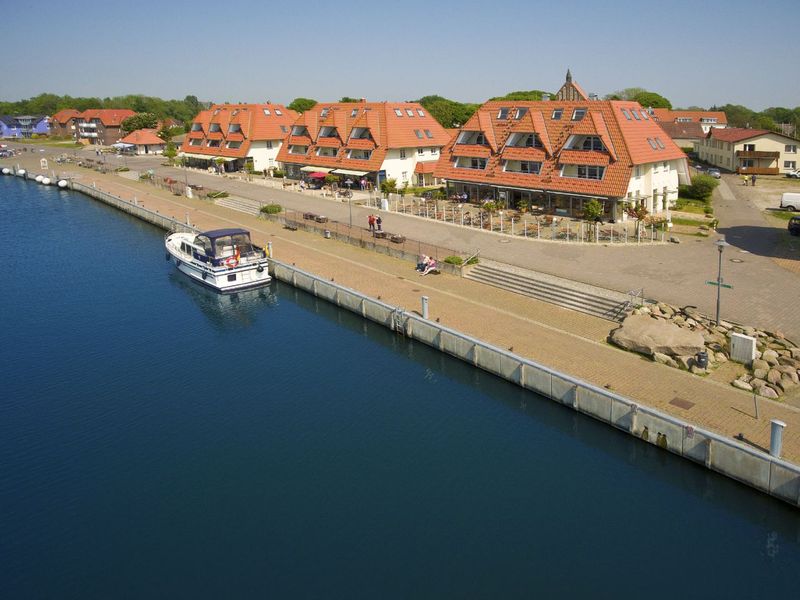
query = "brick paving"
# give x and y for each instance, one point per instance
(565, 340)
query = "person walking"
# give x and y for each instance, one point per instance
(371, 222)
(744, 179)
(378, 222)
(753, 179)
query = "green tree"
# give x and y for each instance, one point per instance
(170, 152)
(531, 95)
(702, 187)
(301, 105)
(349, 99)
(448, 113)
(388, 186)
(140, 121)
(651, 99)
(592, 210)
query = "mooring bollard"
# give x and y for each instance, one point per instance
(269, 249)
(424, 307)
(776, 437)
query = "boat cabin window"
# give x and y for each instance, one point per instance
(204, 243)
(232, 277)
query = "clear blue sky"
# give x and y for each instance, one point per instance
(693, 52)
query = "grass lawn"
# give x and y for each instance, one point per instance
(783, 215)
(690, 222)
(691, 206)
(49, 142)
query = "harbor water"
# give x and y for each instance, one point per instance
(158, 440)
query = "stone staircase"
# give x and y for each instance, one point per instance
(250, 207)
(599, 302)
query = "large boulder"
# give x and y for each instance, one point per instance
(645, 335)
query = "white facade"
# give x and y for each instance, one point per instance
(400, 164)
(655, 185)
(264, 153)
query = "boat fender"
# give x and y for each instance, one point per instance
(167, 256)
(204, 275)
(260, 268)
(177, 263)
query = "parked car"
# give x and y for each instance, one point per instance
(714, 173)
(698, 167)
(794, 174)
(794, 226)
(790, 201)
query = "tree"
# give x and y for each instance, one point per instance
(652, 100)
(170, 152)
(388, 186)
(140, 121)
(592, 210)
(448, 113)
(349, 99)
(531, 95)
(702, 187)
(301, 105)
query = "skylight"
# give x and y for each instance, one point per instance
(398, 112)
(420, 112)
(556, 116)
(626, 114)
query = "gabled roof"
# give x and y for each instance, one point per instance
(110, 117)
(737, 134)
(629, 141)
(666, 115)
(256, 123)
(142, 137)
(413, 127)
(63, 116)
(684, 131)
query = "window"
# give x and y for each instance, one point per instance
(409, 112)
(324, 113)
(521, 112)
(266, 112)
(644, 115)
(578, 114)
(269, 144)
(660, 143)
(525, 166)
(635, 114)
(283, 129)
(789, 164)
(502, 114)
(684, 120)
(592, 142)
(790, 149)
(214, 128)
(360, 154)
(299, 130)
(652, 143)
(428, 134)
(197, 127)
(195, 142)
(402, 153)
(434, 151)
(626, 114)
(354, 112)
(418, 133)
(326, 151)
(590, 172)
(298, 149)
(398, 112)
(234, 128)
(278, 112)
(213, 143)
(232, 277)
(708, 119)
(233, 145)
(749, 147)
(637, 171)
(404, 176)
(477, 163)
(556, 116)
(420, 112)
(420, 151)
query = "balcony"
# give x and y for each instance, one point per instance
(91, 134)
(88, 125)
(757, 154)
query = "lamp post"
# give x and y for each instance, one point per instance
(348, 182)
(720, 244)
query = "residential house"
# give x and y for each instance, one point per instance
(686, 136)
(24, 126)
(708, 119)
(64, 123)
(101, 126)
(144, 141)
(366, 140)
(238, 135)
(556, 155)
(750, 151)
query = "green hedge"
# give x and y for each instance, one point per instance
(271, 209)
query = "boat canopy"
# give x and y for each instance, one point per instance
(220, 243)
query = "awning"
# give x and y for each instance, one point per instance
(206, 157)
(121, 145)
(318, 175)
(310, 169)
(349, 172)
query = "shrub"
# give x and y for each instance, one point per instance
(388, 186)
(708, 210)
(144, 176)
(271, 209)
(472, 261)
(592, 210)
(701, 189)
(278, 173)
(218, 195)
(122, 169)
(454, 260)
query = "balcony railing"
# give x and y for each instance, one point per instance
(758, 170)
(757, 154)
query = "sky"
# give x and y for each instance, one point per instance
(698, 53)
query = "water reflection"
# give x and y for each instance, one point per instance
(238, 310)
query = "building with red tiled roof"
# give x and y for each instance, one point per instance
(365, 140)
(63, 123)
(687, 136)
(559, 154)
(750, 151)
(101, 126)
(144, 141)
(708, 119)
(237, 135)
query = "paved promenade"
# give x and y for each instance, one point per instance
(568, 341)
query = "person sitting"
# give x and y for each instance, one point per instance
(431, 266)
(423, 262)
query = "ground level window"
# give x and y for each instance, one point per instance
(789, 164)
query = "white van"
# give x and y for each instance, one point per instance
(790, 201)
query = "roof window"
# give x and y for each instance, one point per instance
(428, 134)
(626, 114)
(324, 113)
(578, 114)
(278, 112)
(354, 112)
(409, 112)
(420, 112)
(283, 129)
(398, 112)
(660, 143)
(502, 114)
(556, 116)
(521, 112)
(635, 114)
(266, 112)
(418, 133)
(644, 115)
(652, 143)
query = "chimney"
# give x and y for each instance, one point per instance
(592, 96)
(362, 100)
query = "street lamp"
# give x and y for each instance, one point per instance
(720, 244)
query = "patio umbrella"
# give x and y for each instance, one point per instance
(318, 175)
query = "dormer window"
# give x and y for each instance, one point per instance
(299, 130)
(328, 132)
(234, 128)
(324, 113)
(409, 112)
(556, 116)
(523, 140)
(592, 142)
(502, 114)
(197, 127)
(214, 128)
(521, 112)
(354, 112)
(472, 138)
(398, 112)
(578, 114)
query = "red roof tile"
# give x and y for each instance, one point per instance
(665, 115)
(425, 167)
(110, 117)
(63, 116)
(142, 137)
(736, 134)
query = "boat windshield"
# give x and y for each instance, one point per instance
(224, 246)
(204, 243)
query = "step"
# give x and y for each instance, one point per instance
(251, 207)
(561, 292)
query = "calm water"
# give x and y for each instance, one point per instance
(160, 441)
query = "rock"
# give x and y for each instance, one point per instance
(795, 353)
(746, 378)
(721, 358)
(760, 373)
(691, 312)
(775, 388)
(789, 362)
(691, 322)
(774, 376)
(674, 239)
(768, 392)
(786, 383)
(760, 364)
(664, 360)
(770, 356)
(642, 334)
(697, 370)
(742, 385)
(666, 309)
(726, 325)
(749, 331)
(685, 362)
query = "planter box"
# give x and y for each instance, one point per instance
(309, 216)
(321, 219)
(380, 234)
(397, 239)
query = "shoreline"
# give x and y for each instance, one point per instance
(674, 430)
